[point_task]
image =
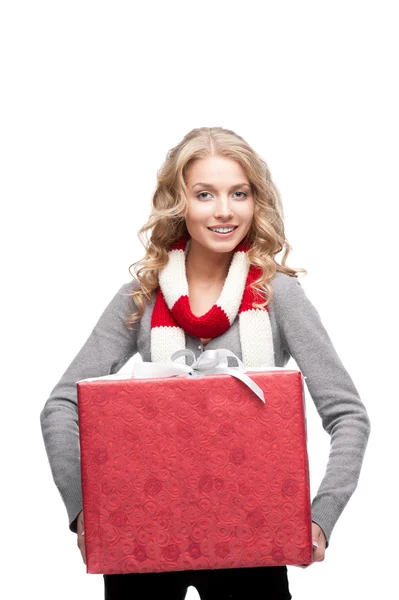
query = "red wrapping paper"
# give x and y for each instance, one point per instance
(182, 473)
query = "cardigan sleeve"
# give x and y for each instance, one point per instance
(343, 414)
(107, 349)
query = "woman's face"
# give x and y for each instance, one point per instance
(218, 195)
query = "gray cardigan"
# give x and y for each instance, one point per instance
(297, 331)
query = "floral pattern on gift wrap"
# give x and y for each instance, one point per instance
(194, 473)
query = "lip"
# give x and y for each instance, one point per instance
(224, 235)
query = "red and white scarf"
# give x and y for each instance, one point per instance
(172, 315)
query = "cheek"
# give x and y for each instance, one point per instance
(197, 214)
(249, 210)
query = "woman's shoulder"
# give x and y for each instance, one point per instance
(287, 292)
(127, 290)
(131, 286)
(123, 298)
(282, 282)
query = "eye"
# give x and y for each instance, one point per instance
(198, 195)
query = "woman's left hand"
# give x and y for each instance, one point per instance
(319, 549)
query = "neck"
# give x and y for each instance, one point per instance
(206, 266)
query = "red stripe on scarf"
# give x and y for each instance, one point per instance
(216, 319)
(249, 296)
(161, 315)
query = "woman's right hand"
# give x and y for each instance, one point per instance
(81, 533)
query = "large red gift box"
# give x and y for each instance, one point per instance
(184, 473)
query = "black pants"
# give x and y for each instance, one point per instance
(262, 583)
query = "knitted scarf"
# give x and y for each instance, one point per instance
(172, 316)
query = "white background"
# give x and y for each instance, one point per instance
(93, 94)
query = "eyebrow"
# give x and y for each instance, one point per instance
(209, 185)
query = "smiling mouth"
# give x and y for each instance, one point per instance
(221, 232)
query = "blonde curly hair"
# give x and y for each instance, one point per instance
(169, 207)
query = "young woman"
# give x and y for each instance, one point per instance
(209, 279)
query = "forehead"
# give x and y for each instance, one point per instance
(214, 187)
(216, 171)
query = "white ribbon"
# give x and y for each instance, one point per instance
(209, 362)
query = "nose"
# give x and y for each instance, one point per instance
(224, 211)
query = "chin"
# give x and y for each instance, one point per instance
(222, 247)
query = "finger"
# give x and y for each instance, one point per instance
(320, 558)
(82, 548)
(81, 525)
(83, 553)
(318, 552)
(318, 555)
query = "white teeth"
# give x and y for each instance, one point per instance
(222, 230)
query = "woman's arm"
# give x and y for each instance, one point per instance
(344, 416)
(107, 349)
